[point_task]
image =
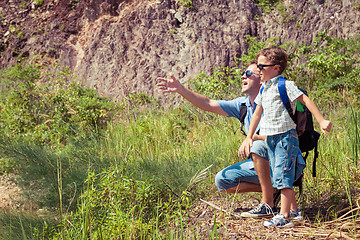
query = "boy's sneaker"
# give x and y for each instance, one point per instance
(296, 215)
(262, 210)
(279, 221)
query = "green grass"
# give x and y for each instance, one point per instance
(135, 173)
(143, 183)
(169, 146)
(24, 225)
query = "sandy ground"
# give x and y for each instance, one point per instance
(10, 193)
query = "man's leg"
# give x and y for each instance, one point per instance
(238, 178)
(243, 187)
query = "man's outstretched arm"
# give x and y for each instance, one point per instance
(200, 101)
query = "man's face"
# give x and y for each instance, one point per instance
(268, 70)
(251, 84)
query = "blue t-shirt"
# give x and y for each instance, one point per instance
(232, 108)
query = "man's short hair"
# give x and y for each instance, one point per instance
(252, 62)
(276, 55)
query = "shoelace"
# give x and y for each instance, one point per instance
(277, 219)
(267, 207)
(258, 208)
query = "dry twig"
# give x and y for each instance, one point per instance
(220, 209)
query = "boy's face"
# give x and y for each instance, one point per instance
(267, 72)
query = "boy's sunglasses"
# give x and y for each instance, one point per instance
(261, 66)
(248, 73)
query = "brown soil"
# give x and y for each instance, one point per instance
(10, 193)
(204, 214)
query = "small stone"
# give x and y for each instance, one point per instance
(178, 17)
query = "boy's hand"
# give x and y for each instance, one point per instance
(325, 126)
(244, 149)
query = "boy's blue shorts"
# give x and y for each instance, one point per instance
(282, 150)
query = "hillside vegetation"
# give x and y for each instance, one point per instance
(120, 47)
(130, 169)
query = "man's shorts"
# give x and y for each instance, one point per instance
(243, 171)
(283, 149)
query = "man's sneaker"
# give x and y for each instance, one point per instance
(262, 210)
(296, 215)
(279, 221)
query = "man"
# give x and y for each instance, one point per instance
(252, 175)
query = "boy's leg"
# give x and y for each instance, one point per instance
(288, 200)
(282, 154)
(293, 203)
(262, 167)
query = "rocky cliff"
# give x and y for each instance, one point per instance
(122, 46)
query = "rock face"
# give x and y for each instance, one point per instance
(151, 39)
(120, 46)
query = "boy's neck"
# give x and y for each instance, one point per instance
(272, 78)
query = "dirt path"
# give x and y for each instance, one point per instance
(10, 193)
(203, 216)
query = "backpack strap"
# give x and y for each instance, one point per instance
(316, 154)
(261, 89)
(284, 97)
(243, 112)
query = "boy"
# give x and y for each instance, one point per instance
(276, 123)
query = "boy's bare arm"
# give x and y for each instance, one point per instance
(325, 125)
(259, 137)
(244, 149)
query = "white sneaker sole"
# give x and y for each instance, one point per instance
(288, 225)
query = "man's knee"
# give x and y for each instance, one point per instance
(220, 181)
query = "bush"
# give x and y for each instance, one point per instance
(328, 65)
(223, 83)
(114, 206)
(49, 113)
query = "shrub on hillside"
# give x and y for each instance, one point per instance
(52, 112)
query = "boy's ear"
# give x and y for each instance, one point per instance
(278, 68)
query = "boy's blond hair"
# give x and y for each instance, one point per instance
(276, 55)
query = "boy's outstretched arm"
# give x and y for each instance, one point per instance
(244, 149)
(325, 125)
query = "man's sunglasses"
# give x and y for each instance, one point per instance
(261, 66)
(248, 73)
